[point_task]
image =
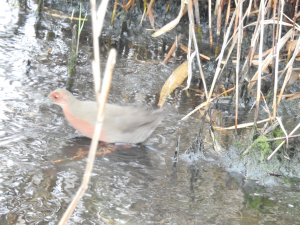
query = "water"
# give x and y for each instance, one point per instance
(140, 185)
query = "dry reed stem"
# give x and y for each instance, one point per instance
(209, 23)
(220, 61)
(216, 145)
(197, 13)
(219, 20)
(196, 50)
(254, 38)
(234, 40)
(284, 130)
(149, 7)
(268, 59)
(130, 3)
(290, 69)
(190, 71)
(65, 17)
(172, 24)
(253, 44)
(277, 49)
(114, 12)
(281, 138)
(236, 21)
(228, 13)
(191, 13)
(96, 61)
(223, 93)
(294, 22)
(185, 49)
(273, 48)
(217, 3)
(101, 103)
(173, 48)
(205, 103)
(290, 63)
(241, 125)
(100, 19)
(278, 147)
(100, 115)
(189, 51)
(240, 38)
(267, 108)
(266, 22)
(248, 11)
(191, 27)
(247, 150)
(229, 53)
(261, 39)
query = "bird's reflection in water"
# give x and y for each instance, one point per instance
(78, 148)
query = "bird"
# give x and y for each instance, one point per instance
(121, 124)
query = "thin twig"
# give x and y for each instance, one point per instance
(219, 62)
(281, 138)
(240, 37)
(100, 112)
(101, 104)
(261, 8)
(209, 23)
(196, 6)
(196, 49)
(279, 146)
(277, 59)
(294, 23)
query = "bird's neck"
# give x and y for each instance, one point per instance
(72, 106)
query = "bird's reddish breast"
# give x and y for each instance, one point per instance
(83, 126)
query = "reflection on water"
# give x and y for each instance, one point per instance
(138, 185)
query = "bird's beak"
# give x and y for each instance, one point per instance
(48, 100)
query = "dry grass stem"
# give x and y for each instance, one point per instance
(273, 153)
(244, 125)
(209, 23)
(101, 103)
(281, 138)
(267, 108)
(216, 145)
(283, 129)
(260, 59)
(227, 14)
(100, 18)
(173, 48)
(240, 37)
(294, 23)
(205, 103)
(149, 7)
(65, 17)
(90, 162)
(196, 49)
(290, 69)
(130, 3)
(197, 13)
(277, 49)
(219, 61)
(219, 20)
(185, 49)
(268, 59)
(172, 24)
(114, 12)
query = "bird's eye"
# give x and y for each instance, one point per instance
(56, 97)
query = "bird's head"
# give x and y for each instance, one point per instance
(60, 97)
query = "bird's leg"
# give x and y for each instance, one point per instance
(105, 148)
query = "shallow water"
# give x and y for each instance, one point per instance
(140, 185)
